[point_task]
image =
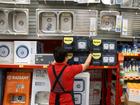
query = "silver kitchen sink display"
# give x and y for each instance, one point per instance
(54, 22)
(15, 1)
(108, 20)
(18, 21)
(3, 22)
(48, 22)
(66, 22)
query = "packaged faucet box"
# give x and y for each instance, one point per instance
(40, 88)
(81, 89)
(17, 88)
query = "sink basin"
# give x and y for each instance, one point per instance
(66, 22)
(18, 21)
(3, 23)
(48, 22)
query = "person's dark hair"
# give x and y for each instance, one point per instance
(59, 54)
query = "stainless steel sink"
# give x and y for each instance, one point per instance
(108, 20)
(18, 21)
(3, 22)
(66, 22)
(48, 22)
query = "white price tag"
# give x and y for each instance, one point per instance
(106, 46)
(111, 59)
(76, 59)
(105, 59)
(111, 46)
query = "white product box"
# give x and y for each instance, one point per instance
(6, 52)
(40, 88)
(81, 89)
(133, 92)
(22, 52)
(33, 51)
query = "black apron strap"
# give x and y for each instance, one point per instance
(57, 99)
(72, 94)
(57, 78)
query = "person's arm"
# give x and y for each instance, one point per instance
(87, 62)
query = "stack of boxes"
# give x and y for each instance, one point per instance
(19, 52)
(133, 94)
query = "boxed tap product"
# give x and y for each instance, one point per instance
(17, 88)
(40, 88)
(6, 52)
(81, 89)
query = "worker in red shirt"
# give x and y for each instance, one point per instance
(61, 76)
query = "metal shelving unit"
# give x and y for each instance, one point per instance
(121, 57)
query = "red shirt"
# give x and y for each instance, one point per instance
(67, 80)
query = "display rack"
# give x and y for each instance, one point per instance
(121, 57)
(106, 90)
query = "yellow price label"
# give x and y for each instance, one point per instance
(96, 42)
(68, 40)
(96, 55)
(70, 55)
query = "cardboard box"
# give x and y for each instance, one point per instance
(24, 52)
(40, 88)
(81, 89)
(17, 88)
(6, 52)
(133, 92)
(130, 102)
